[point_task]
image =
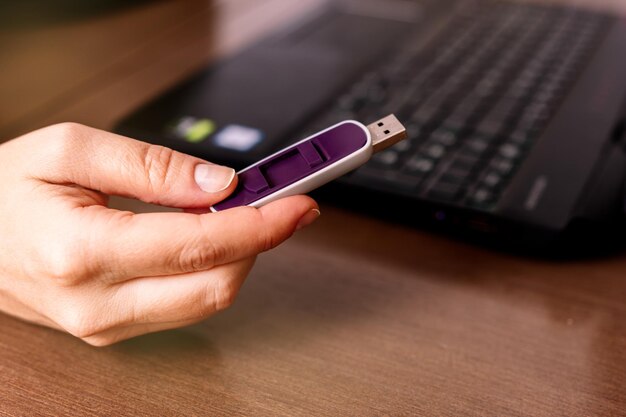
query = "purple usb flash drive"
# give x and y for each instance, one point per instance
(303, 166)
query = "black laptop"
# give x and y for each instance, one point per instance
(515, 112)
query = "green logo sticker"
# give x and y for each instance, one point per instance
(193, 130)
(200, 130)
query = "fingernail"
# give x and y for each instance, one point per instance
(213, 178)
(308, 218)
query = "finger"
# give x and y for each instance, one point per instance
(151, 244)
(158, 303)
(193, 296)
(112, 336)
(114, 164)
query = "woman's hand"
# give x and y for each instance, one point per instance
(68, 261)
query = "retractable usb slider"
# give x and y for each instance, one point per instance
(312, 162)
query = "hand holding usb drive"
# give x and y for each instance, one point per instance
(313, 162)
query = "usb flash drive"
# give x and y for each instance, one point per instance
(312, 162)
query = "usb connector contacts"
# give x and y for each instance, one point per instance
(386, 132)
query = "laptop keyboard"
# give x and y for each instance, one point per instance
(474, 99)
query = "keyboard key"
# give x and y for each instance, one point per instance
(503, 166)
(461, 117)
(509, 151)
(493, 180)
(465, 162)
(420, 165)
(482, 198)
(520, 138)
(444, 137)
(427, 111)
(475, 146)
(491, 126)
(413, 131)
(402, 146)
(435, 151)
(425, 114)
(496, 120)
(388, 157)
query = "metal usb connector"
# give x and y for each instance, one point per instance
(386, 132)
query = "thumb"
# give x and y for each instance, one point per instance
(117, 165)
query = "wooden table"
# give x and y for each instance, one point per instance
(353, 316)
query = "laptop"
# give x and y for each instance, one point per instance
(515, 113)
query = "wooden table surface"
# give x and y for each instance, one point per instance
(353, 316)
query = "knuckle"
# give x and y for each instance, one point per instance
(197, 257)
(203, 252)
(62, 135)
(159, 165)
(68, 129)
(216, 297)
(268, 240)
(64, 266)
(222, 297)
(99, 341)
(264, 237)
(78, 322)
(56, 144)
